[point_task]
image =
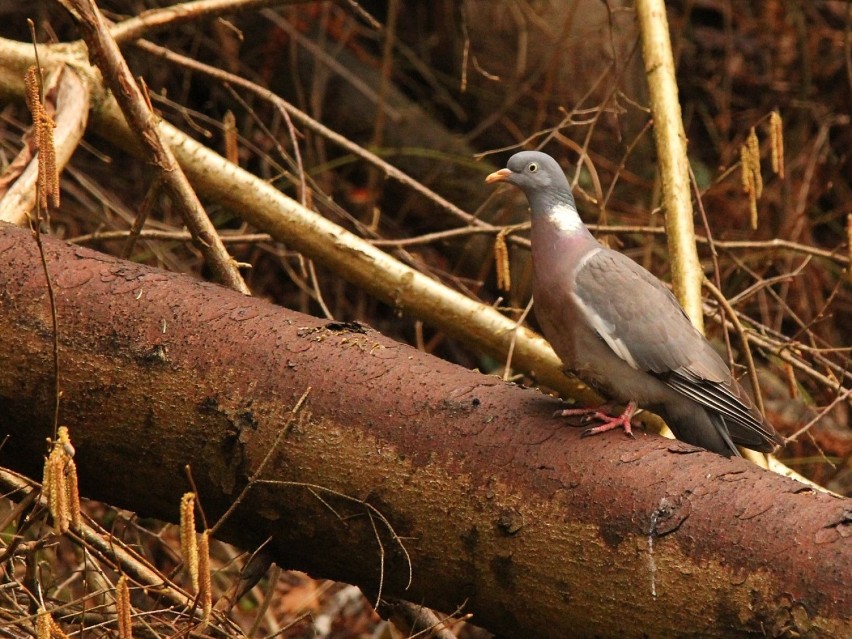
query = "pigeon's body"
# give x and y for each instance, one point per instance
(620, 330)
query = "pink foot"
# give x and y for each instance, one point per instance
(608, 422)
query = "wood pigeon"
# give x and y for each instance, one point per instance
(621, 331)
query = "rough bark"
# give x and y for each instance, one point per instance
(498, 505)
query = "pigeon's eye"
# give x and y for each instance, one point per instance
(533, 167)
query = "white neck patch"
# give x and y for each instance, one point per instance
(565, 218)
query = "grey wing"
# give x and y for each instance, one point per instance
(641, 321)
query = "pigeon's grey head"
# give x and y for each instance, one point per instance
(541, 179)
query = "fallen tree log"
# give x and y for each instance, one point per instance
(395, 454)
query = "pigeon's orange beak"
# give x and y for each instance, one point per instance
(498, 176)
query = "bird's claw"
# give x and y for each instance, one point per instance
(587, 413)
(608, 422)
(596, 431)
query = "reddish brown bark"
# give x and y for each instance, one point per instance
(498, 505)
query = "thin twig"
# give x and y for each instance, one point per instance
(165, 17)
(511, 352)
(312, 272)
(168, 236)
(419, 622)
(148, 203)
(840, 397)
(282, 433)
(36, 229)
(315, 487)
(738, 327)
(294, 141)
(381, 559)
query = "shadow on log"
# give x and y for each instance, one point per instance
(500, 508)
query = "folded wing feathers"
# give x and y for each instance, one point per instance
(719, 398)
